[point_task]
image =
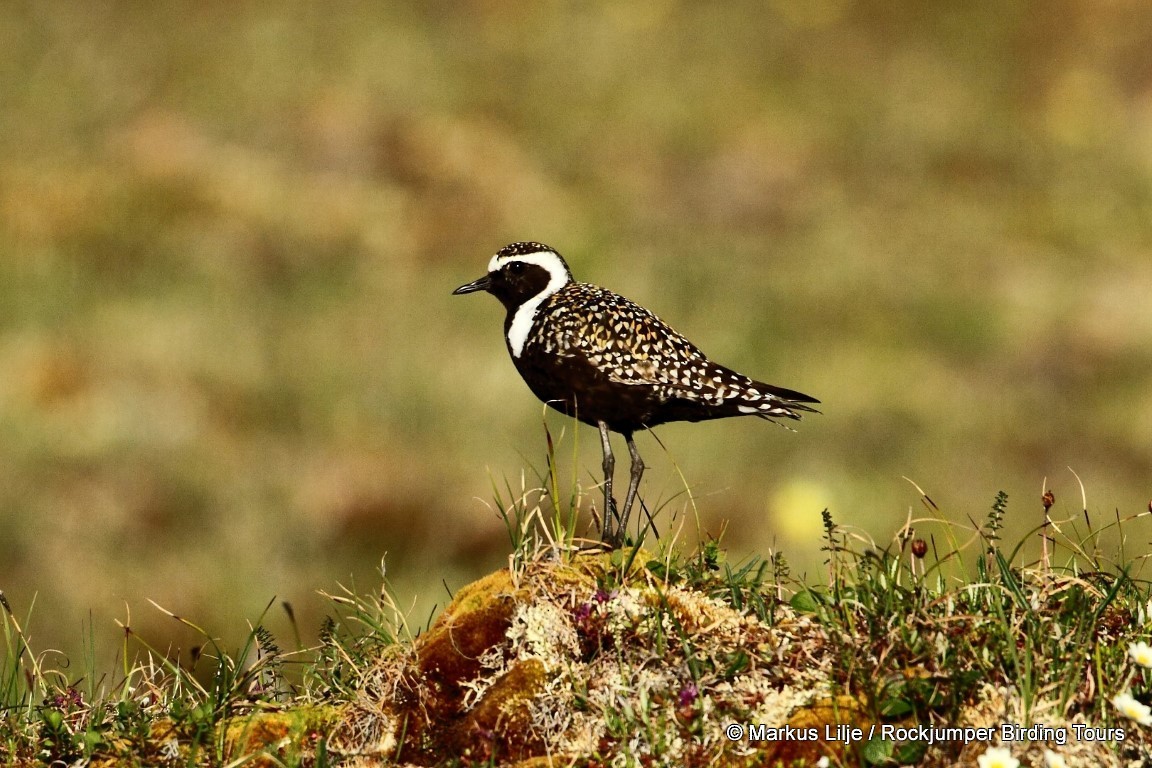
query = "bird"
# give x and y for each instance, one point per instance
(610, 363)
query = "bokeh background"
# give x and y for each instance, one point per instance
(231, 369)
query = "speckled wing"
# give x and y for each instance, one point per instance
(632, 346)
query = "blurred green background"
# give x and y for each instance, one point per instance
(232, 368)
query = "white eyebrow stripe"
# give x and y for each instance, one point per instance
(547, 259)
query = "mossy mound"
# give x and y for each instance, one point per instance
(627, 659)
(623, 659)
(586, 661)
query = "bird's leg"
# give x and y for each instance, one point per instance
(609, 535)
(633, 482)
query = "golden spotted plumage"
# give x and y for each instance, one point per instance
(634, 347)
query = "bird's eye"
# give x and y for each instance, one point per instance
(516, 267)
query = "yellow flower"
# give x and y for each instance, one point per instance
(997, 757)
(1054, 759)
(1132, 709)
(1141, 653)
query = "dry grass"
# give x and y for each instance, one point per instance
(651, 658)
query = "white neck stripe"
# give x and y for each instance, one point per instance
(558, 277)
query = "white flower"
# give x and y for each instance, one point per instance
(1132, 709)
(997, 757)
(823, 762)
(1054, 759)
(1141, 653)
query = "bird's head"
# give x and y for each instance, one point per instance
(521, 272)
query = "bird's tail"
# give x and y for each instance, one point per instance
(776, 403)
